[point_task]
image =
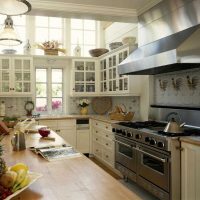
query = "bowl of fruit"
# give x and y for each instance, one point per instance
(44, 132)
(15, 179)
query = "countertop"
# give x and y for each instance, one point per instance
(76, 178)
(104, 118)
(191, 139)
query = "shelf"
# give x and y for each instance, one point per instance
(176, 107)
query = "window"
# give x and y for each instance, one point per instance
(83, 32)
(49, 90)
(47, 29)
(20, 27)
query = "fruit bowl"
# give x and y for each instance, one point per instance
(44, 132)
(33, 177)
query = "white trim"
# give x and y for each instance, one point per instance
(81, 8)
(147, 6)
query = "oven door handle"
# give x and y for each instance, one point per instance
(127, 145)
(160, 159)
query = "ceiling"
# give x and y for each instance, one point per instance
(106, 10)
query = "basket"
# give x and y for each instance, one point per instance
(121, 116)
(51, 51)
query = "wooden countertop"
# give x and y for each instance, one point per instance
(70, 179)
(191, 139)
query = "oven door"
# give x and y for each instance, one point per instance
(154, 166)
(125, 153)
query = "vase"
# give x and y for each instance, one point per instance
(84, 111)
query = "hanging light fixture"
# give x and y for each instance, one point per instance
(8, 36)
(14, 7)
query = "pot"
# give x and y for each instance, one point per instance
(174, 127)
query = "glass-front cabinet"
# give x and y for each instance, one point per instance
(84, 77)
(16, 76)
(110, 81)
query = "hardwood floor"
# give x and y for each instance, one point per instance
(143, 194)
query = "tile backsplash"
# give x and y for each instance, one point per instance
(178, 88)
(15, 106)
(131, 104)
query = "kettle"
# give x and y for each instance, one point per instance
(174, 127)
(18, 141)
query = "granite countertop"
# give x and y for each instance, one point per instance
(191, 139)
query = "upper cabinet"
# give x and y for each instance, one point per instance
(16, 76)
(84, 77)
(111, 83)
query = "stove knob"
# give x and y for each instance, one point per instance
(147, 139)
(118, 131)
(161, 144)
(129, 134)
(124, 132)
(152, 142)
(138, 136)
(113, 130)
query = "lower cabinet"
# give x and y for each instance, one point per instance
(190, 173)
(102, 142)
(66, 128)
(83, 140)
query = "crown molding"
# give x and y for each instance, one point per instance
(82, 8)
(147, 6)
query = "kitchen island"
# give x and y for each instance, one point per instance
(72, 179)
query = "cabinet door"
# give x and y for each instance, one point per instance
(190, 173)
(22, 69)
(83, 141)
(69, 135)
(90, 76)
(5, 75)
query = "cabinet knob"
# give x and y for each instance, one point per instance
(106, 135)
(97, 150)
(106, 127)
(96, 139)
(107, 156)
(96, 131)
(106, 144)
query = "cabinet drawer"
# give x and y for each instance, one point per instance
(96, 131)
(97, 149)
(108, 135)
(108, 143)
(108, 156)
(102, 125)
(66, 122)
(97, 138)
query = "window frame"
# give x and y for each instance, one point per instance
(49, 90)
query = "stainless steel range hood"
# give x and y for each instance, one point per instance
(178, 51)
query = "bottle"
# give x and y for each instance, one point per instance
(27, 48)
(2, 109)
(77, 50)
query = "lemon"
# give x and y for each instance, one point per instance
(17, 167)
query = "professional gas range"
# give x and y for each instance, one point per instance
(149, 156)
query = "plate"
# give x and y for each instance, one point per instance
(101, 105)
(33, 177)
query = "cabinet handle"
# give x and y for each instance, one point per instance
(73, 89)
(106, 144)
(97, 150)
(97, 131)
(180, 148)
(106, 127)
(107, 156)
(96, 123)
(96, 139)
(106, 135)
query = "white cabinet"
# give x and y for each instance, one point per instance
(111, 83)
(84, 77)
(103, 146)
(190, 173)
(83, 141)
(66, 128)
(16, 76)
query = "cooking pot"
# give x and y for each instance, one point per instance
(174, 127)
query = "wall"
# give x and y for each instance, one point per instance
(117, 31)
(183, 94)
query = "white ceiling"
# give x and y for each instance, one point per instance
(105, 10)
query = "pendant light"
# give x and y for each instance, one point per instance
(8, 36)
(14, 7)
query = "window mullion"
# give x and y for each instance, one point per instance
(49, 90)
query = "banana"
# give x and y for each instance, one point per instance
(18, 167)
(21, 174)
(24, 183)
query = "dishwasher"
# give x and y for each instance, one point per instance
(83, 136)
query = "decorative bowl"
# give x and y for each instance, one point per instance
(115, 45)
(44, 132)
(129, 40)
(98, 52)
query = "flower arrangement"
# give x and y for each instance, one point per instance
(83, 103)
(51, 47)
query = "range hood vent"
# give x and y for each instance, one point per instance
(176, 52)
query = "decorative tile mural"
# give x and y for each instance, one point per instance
(180, 88)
